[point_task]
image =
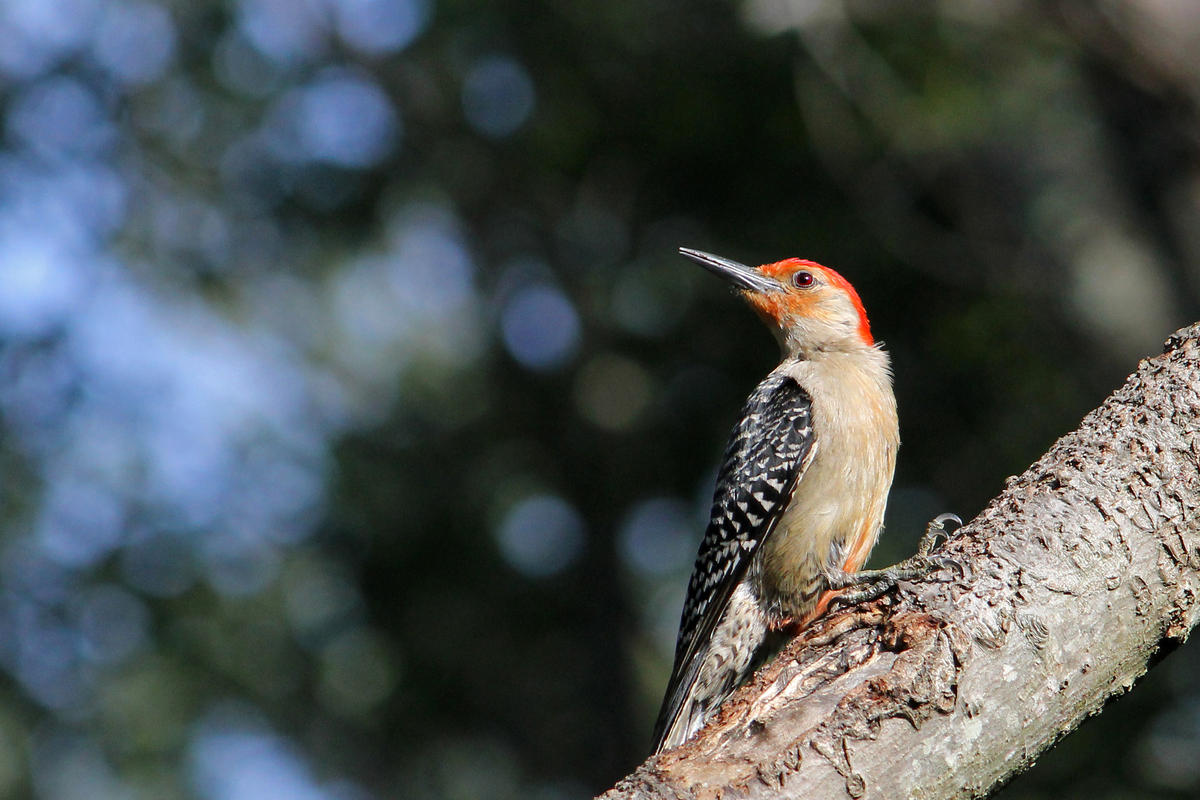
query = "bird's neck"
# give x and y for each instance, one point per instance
(802, 350)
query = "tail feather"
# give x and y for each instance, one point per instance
(699, 687)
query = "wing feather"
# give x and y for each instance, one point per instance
(764, 460)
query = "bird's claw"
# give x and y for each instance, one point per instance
(935, 530)
(951, 563)
(876, 583)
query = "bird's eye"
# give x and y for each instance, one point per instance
(802, 279)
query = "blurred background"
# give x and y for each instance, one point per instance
(359, 419)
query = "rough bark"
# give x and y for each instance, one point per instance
(1071, 582)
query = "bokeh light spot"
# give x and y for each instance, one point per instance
(430, 268)
(612, 391)
(39, 32)
(358, 672)
(288, 31)
(1171, 749)
(47, 659)
(234, 756)
(541, 536)
(649, 302)
(658, 537)
(39, 283)
(347, 120)
(540, 327)
(415, 297)
(497, 96)
(59, 116)
(134, 41)
(342, 118)
(81, 523)
(317, 597)
(379, 27)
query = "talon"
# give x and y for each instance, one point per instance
(942, 519)
(934, 530)
(947, 562)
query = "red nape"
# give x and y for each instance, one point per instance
(784, 269)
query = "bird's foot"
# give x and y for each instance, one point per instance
(875, 583)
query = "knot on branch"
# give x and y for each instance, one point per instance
(922, 681)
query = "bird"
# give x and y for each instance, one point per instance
(800, 494)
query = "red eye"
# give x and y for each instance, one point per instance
(802, 279)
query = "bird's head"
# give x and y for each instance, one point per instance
(810, 308)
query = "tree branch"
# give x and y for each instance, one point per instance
(1071, 582)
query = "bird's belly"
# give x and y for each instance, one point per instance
(831, 525)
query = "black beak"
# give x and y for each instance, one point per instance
(739, 275)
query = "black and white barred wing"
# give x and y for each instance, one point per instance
(763, 462)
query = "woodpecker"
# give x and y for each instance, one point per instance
(800, 493)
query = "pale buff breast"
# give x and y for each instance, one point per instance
(837, 510)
